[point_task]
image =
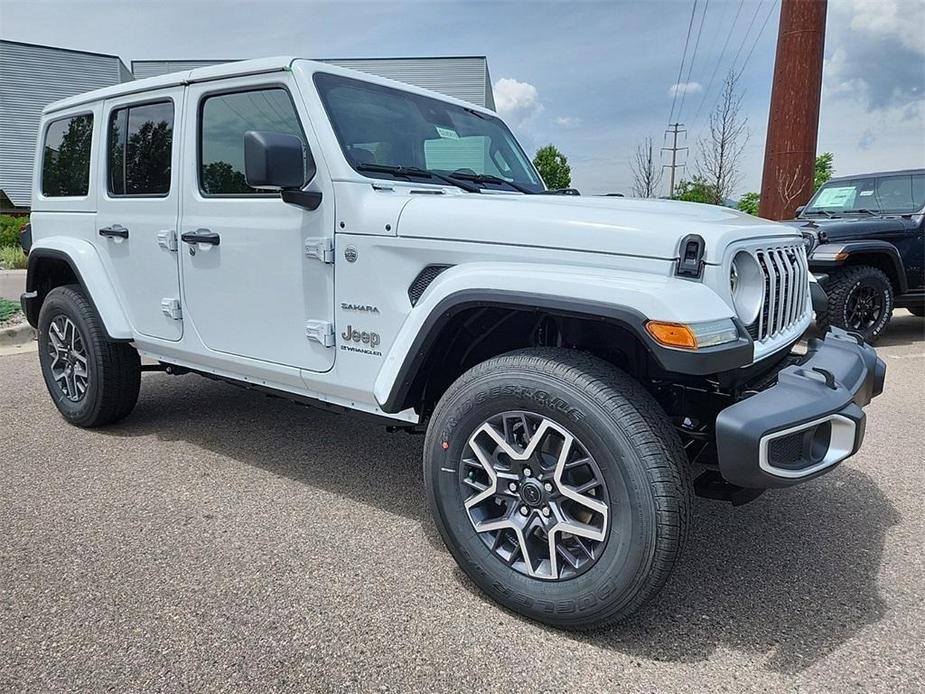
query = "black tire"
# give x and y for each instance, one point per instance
(639, 456)
(917, 310)
(843, 288)
(113, 369)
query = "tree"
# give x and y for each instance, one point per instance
(647, 174)
(696, 190)
(749, 203)
(553, 167)
(823, 170)
(720, 152)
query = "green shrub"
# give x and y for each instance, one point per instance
(8, 309)
(9, 229)
(12, 258)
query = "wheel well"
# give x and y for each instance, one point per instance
(480, 333)
(882, 262)
(45, 274)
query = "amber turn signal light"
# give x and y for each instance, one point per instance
(672, 334)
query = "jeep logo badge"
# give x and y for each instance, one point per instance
(371, 340)
(350, 253)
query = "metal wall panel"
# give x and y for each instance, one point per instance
(31, 77)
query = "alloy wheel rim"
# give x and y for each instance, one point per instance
(535, 496)
(69, 363)
(864, 307)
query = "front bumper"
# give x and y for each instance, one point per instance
(807, 422)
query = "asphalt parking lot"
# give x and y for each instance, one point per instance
(222, 540)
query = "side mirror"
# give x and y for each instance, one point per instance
(276, 161)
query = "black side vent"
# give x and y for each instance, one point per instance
(423, 280)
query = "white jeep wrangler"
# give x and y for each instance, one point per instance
(361, 244)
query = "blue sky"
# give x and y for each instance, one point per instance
(591, 77)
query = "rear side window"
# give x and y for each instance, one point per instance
(224, 120)
(66, 157)
(140, 144)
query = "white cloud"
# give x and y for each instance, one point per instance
(568, 121)
(685, 88)
(517, 102)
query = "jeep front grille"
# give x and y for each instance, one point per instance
(786, 290)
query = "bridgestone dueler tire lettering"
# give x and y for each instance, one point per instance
(634, 444)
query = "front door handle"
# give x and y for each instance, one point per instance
(201, 236)
(115, 231)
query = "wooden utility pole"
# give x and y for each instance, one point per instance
(793, 122)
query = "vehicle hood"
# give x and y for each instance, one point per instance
(849, 228)
(623, 226)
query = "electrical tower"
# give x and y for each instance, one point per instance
(674, 129)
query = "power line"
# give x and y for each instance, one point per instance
(748, 30)
(758, 36)
(722, 53)
(690, 26)
(690, 67)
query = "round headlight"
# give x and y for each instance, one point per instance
(746, 283)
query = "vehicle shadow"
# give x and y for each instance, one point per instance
(903, 329)
(793, 574)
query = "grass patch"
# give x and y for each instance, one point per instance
(12, 258)
(8, 309)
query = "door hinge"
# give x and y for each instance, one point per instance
(320, 331)
(171, 308)
(167, 238)
(320, 249)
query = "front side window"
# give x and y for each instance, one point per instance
(140, 145)
(66, 157)
(902, 194)
(224, 120)
(388, 127)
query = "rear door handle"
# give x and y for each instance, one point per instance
(201, 236)
(116, 230)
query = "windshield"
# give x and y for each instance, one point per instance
(901, 194)
(386, 127)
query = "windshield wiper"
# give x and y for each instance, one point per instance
(825, 212)
(410, 172)
(863, 210)
(488, 178)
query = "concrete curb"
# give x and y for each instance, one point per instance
(18, 334)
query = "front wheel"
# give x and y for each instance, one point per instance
(92, 380)
(559, 486)
(860, 300)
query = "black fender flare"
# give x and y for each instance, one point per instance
(836, 254)
(701, 362)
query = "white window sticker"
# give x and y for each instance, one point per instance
(835, 197)
(865, 193)
(446, 133)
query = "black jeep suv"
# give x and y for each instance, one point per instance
(869, 247)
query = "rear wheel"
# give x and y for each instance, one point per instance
(917, 310)
(860, 300)
(559, 486)
(92, 380)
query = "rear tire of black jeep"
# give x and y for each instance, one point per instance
(917, 310)
(597, 432)
(860, 300)
(92, 380)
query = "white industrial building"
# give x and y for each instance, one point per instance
(32, 76)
